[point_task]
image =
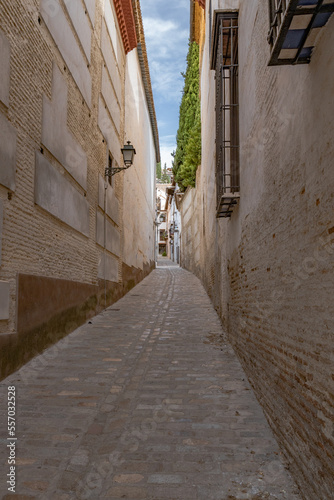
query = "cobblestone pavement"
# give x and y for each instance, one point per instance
(146, 401)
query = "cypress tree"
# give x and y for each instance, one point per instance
(188, 139)
(159, 170)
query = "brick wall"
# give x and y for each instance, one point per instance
(62, 110)
(269, 269)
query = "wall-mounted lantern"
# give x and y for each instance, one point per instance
(128, 152)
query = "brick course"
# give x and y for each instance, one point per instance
(269, 269)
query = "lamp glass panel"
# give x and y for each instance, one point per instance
(128, 155)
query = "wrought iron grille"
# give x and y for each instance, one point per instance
(227, 113)
(277, 11)
(294, 28)
(109, 169)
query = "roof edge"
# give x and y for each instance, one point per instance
(126, 22)
(144, 67)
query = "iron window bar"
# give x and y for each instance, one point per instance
(225, 62)
(294, 28)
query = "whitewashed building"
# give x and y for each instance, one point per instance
(74, 89)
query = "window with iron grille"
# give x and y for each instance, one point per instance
(295, 26)
(225, 62)
(277, 9)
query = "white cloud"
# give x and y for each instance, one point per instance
(151, 31)
(168, 140)
(159, 5)
(166, 36)
(166, 47)
(165, 82)
(182, 4)
(166, 26)
(166, 157)
(167, 146)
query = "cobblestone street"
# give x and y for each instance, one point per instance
(145, 401)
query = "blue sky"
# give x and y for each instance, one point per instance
(166, 25)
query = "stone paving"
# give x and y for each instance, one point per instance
(145, 401)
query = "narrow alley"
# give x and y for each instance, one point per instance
(166, 249)
(145, 401)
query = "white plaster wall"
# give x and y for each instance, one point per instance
(139, 180)
(209, 262)
(176, 216)
(55, 134)
(225, 4)
(111, 23)
(81, 24)
(64, 38)
(8, 135)
(5, 69)
(111, 62)
(109, 132)
(187, 204)
(208, 96)
(51, 218)
(191, 237)
(161, 193)
(110, 123)
(56, 195)
(90, 6)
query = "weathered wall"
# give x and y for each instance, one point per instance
(139, 181)
(62, 112)
(269, 269)
(192, 230)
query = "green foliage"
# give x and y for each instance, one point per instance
(188, 152)
(192, 157)
(158, 170)
(164, 254)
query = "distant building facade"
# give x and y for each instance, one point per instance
(174, 223)
(74, 88)
(162, 236)
(258, 228)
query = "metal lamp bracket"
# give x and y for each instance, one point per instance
(109, 172)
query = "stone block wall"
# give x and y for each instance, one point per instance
(62, 115)
(269, 268)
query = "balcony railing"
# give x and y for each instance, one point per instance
(294, 29)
